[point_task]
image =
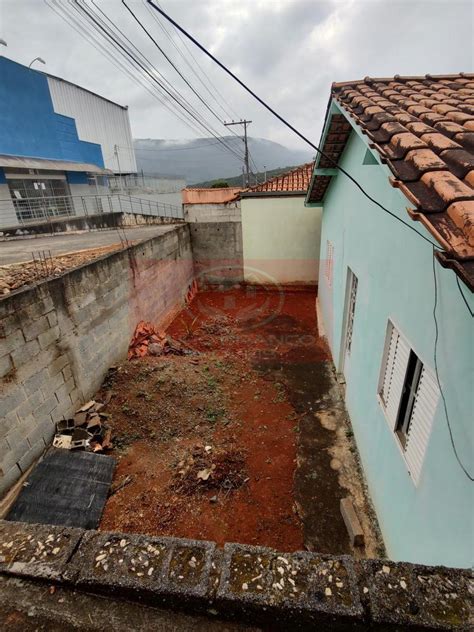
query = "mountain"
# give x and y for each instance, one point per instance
(205, 159)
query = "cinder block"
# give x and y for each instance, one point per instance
(52, 318)
(30, 406)
(58, 365)
(40, 551)
(13, 341)
(6, 365)
(34, 383)
(19, 446)
(34, 328)
(25, 353)
(352, 523)
(9, 478)
(7, 423)
(46, 407)
(41, 430)
(33, 453)
(49, 337)
(11, 401)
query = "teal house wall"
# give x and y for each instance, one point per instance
(431, 522)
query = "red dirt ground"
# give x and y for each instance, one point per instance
(166, 409)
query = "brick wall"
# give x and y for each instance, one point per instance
(58, 339)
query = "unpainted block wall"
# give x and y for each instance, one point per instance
(225, 212)
(217, 251)
(58, 339)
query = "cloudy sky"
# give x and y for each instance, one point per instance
(289, 51)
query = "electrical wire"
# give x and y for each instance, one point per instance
(469, 476)
(230, 112)
(96, 21)
(150, 88)
(294, 130)
(359, 186)
(464, 298)
(168, 59)
(287, 124)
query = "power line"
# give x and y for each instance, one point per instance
(169, 91)
(464, 469)
(169, 60)
(215, 91)
(359, 186)
(287, 124)
(173, 65)
(150, 88)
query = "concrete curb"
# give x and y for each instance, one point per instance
(295, 591)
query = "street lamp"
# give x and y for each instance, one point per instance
(37, 59)
(3, 42)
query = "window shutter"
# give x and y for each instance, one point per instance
(395, 371)
(424, 408)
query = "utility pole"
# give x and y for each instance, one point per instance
(116, 152)
(246, 154)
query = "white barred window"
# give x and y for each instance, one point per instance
(409, 394)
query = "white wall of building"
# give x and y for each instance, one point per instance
(281, 239)
(97, 121)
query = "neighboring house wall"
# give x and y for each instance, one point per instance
(280, 239)
(431, 522)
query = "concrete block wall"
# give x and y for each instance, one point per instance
(58, 339)
(254, 585)
(225, 212)
(218, 252)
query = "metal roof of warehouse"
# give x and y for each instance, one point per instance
(423, 129)
(24, 162)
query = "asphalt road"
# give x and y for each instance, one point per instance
(18, 250)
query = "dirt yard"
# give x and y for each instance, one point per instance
(223, 443)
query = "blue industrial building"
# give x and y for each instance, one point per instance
(57, 141)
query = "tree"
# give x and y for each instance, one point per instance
(220, 184)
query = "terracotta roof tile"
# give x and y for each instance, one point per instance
(294, 181)
(423, 127)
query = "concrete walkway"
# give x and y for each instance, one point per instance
(18, 250)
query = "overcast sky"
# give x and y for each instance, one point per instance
(289, 51)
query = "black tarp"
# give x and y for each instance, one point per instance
(65, 488)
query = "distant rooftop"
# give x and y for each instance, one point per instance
(294, 181)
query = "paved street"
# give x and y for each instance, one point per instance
(18, 250)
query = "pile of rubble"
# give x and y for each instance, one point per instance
(205, 467)
(87, 430)
(147, 340)
(16, 275)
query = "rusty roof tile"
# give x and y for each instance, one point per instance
(439, 142)
(423, 127)
(447, 186)
(469, 179)
(294, 181)
(459, 161)
(462, 214)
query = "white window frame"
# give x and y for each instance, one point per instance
(394, 367)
